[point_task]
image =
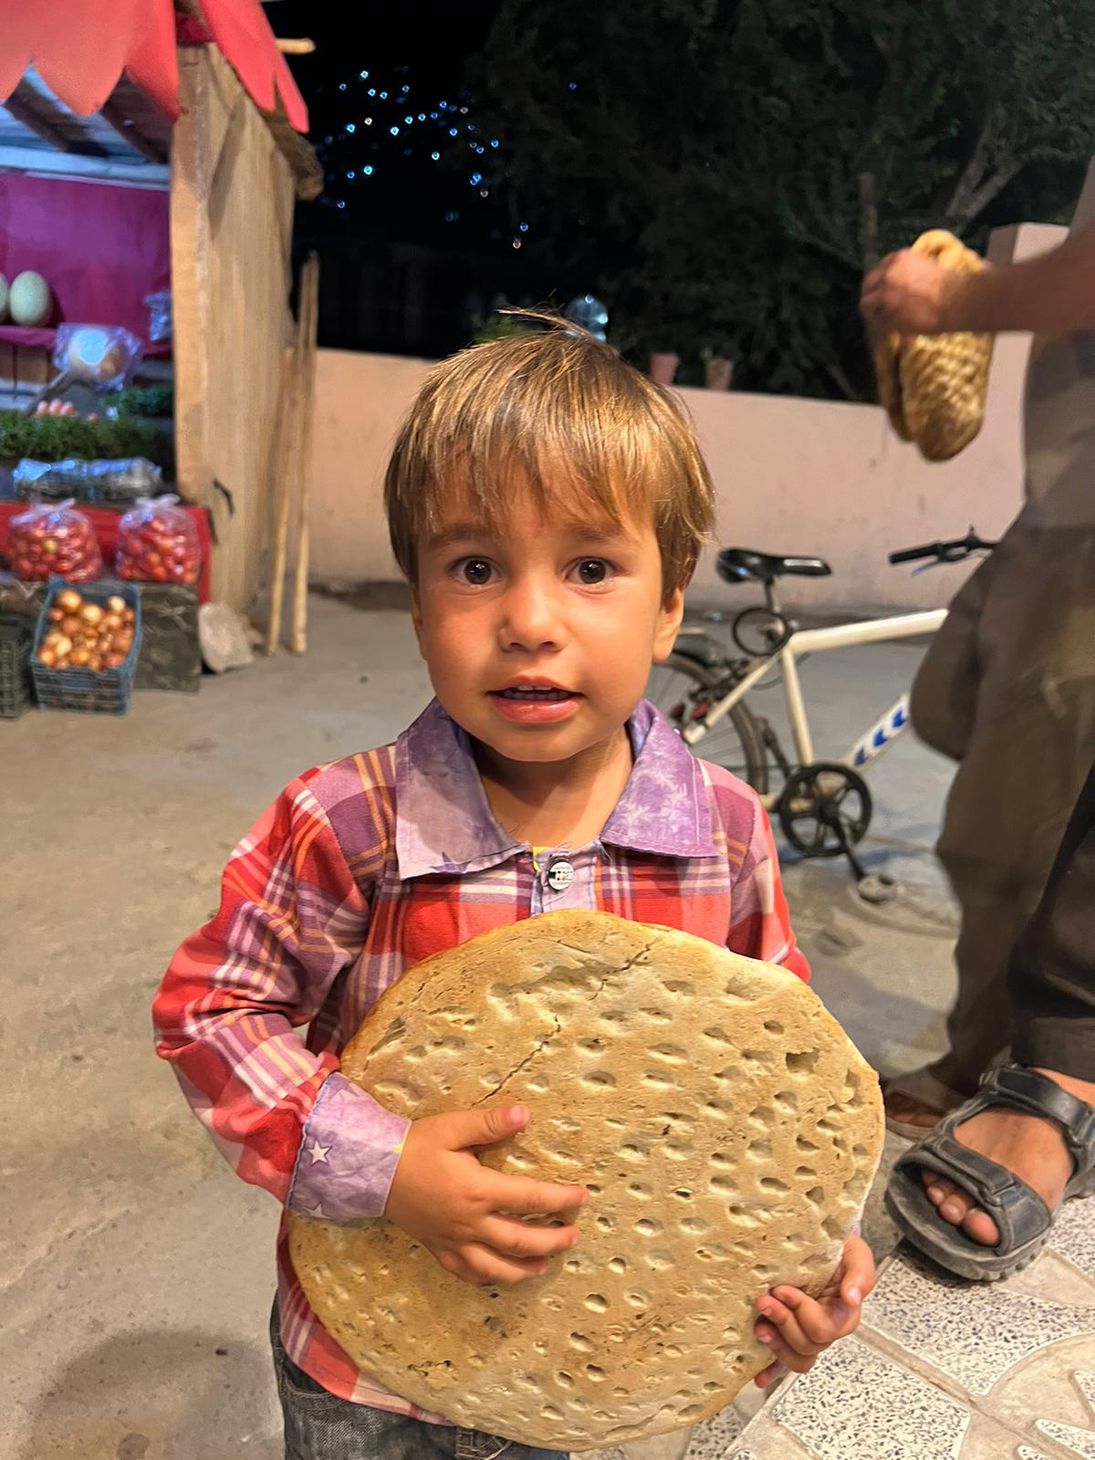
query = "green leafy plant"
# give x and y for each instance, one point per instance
(56, 438)
(144, 400)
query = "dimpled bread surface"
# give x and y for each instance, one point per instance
(726, 1128)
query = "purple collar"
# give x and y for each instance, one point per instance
(444, 822)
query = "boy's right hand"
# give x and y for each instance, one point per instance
(467, 1215)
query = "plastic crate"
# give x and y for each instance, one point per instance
(15, 691)
(170, 653)
(89, 691)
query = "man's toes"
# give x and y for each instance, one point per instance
(937, 1187)
(957, 1207)
(980, 1226)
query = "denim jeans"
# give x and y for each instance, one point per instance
(320, 1426)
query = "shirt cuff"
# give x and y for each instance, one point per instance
(348, 1155)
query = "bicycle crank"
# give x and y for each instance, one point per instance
(824, 810)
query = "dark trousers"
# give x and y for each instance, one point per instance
(320, 1426)
(1007, 689)
(1052, 975)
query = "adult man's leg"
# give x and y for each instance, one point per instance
(1024, 635)
(999, 1167)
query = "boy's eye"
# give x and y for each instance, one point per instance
(592, 570)
(474, 570)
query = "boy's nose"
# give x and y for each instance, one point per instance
(530, 619)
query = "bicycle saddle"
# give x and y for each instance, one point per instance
(738, 564)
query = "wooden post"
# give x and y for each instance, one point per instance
(232, 184)
(282, 495)
(306, 404)
(294, 467)
(191, 286)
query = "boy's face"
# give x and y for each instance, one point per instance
(539, 637)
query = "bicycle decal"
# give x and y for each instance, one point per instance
(881, 735)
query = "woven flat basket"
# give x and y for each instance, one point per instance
(934, 386)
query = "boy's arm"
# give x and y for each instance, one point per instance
(227, 1016)
(760, 919)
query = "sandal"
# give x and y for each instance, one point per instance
(923, 1087)
(1021, 1216)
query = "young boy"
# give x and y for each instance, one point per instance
(547, 504)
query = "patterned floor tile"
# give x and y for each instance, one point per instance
(973, 1333)
(856, 1403)
(1079, 1441)
(711, 1440)
(1074, 1234)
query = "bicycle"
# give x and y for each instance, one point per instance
(824, 806)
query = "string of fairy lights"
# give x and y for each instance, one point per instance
(382, 130)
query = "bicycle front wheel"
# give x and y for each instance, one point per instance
(682, 689)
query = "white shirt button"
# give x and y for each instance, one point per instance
(560, 875)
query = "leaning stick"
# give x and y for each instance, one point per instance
(306, 398)
(283, 437)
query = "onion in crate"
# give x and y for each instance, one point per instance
(86, 636)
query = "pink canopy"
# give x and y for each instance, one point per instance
(81, 47)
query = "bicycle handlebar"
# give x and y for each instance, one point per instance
(945, 552)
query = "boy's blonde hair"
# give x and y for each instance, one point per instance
(539, 407)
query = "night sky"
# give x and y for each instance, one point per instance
(404, 154)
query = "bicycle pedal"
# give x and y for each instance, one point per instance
(878, 887)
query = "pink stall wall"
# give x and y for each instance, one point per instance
(100, 247)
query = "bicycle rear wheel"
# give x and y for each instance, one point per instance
(682, 689)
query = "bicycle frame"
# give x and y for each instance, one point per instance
(816, 641)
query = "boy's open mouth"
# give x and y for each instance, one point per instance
(533, 692)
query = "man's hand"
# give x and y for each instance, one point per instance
(797, 1328)
(468, 1216)
(910, 293)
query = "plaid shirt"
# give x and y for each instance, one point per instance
(361, 869)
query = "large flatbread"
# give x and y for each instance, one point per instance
(934, 387)
(727, 1130)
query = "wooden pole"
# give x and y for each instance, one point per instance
(283, 450)
(306, 399)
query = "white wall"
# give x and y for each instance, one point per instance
(791, 476)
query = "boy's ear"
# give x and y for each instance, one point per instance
(669, 623)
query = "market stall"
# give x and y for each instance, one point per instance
(149, 160)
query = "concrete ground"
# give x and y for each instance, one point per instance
(135, 1271)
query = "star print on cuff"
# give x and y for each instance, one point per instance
(348, 1154)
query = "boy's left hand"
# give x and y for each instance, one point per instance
(796, 1327)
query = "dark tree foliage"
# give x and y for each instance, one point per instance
(721, 171)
